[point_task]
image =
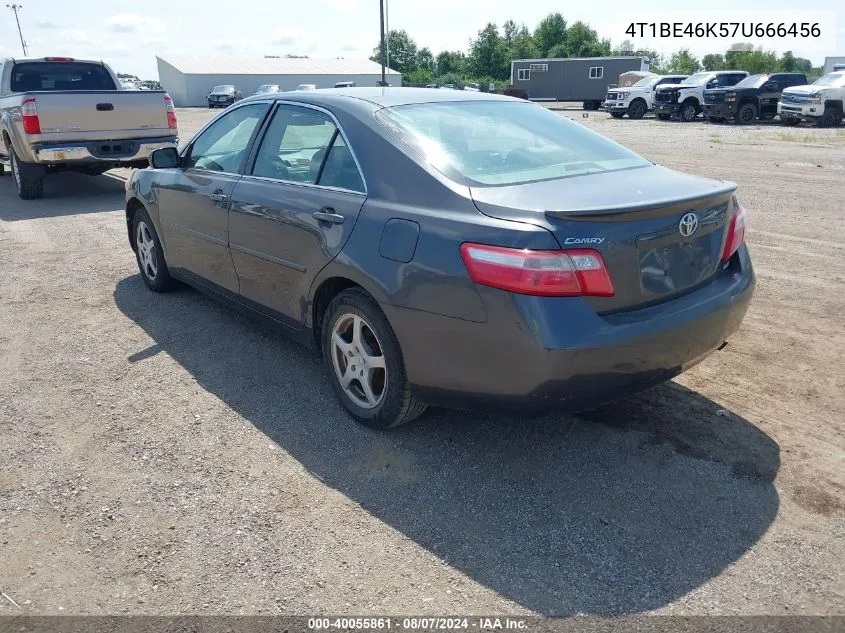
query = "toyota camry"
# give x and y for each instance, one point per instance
(447, 248)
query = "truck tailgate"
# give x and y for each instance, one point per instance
(101, 115)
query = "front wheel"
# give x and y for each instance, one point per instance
(688, 112)
(365, 363)
(149, 254)
(637, 109)
(746, 114)
(832, 117)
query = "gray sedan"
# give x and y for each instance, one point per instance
(447, 247)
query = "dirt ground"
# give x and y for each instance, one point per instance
(161, 454)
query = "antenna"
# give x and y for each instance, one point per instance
(16, 8)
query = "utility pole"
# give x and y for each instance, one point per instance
(383, 46)
(16, 8)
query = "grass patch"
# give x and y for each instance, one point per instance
(715, 138)
(792, 137)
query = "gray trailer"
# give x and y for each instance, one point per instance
(583, 79)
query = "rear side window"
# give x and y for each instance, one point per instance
(35, 76)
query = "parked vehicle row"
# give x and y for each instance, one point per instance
(60, 113)
(734, 96)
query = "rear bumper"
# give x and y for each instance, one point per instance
(719, 110)
(540, 353)
(122, 151)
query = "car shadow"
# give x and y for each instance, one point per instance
(65, 193)
(616, 511)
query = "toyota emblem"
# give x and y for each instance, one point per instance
(688, 224)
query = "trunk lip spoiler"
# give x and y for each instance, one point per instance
(610, 212)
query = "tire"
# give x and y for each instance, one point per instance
(617, 115)
(832, 117)
(790, 121)
(28, 187)
(150, 260)
(388, 401)
(2, 169)
(637, 109)
(664, 117)
(688, 112)
(746, 114)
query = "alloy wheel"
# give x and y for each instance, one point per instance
(145, 246)
(358, 360)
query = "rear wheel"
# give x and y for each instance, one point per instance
(832, 117)
(28, 185)
(637, 109)
(617, 115)
(688, 112)
(746, 114)
(365, 363)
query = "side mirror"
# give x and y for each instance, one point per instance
(770, 86)
(164, 158)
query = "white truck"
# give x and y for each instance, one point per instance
(638, 99)
(59, 113)
(821, 102)
(685, 99)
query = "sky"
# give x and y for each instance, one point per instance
(128, 36)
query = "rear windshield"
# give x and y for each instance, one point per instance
(503, 143)
(34, 76)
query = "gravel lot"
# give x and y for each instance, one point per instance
(164, 455)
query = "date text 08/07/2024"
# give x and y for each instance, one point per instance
(417, 623)
(723, 29)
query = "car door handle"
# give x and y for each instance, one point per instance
(218, 197)
(327, 215)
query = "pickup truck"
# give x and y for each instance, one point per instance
(754, 96)
(685, 99)
(821, 102)
(59, 113)
(636, 100)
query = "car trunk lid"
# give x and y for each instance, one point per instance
(634, 219)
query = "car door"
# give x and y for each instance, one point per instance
(193, 199)
(294, 209)
(770, 93)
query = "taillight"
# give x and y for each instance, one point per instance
(562, 273)
(58, 59)
(29, 116)
(171, 112)
(736, 232)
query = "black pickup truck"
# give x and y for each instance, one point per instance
(754, 96)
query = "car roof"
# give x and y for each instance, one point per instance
(386, 97)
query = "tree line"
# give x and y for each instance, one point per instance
(490, 52)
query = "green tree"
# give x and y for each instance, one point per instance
(449, 62)
(418, 76)
(582, 41)
(488, 54)
(509, 32)
(401, 52)
(425, 60)
(550, 33)
(683, 62)
(713, 61)
(754, 61)
(523, 46)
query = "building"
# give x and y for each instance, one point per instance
(830, 62)
(188, 79)
(583, 79)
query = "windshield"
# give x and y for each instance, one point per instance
(754, 81)
(646, 82)
(501, 143)
(220, 89)
(831, 79)
(34, 76)
(696, 79)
